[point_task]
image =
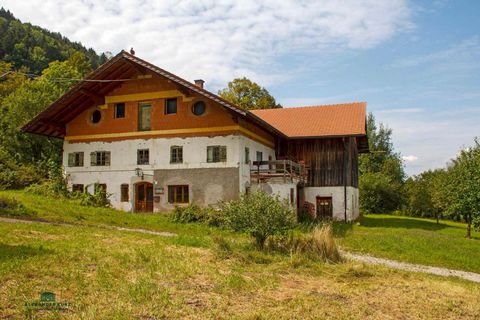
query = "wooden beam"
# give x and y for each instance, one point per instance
(96, 98)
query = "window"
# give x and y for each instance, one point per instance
(77, 188)
(247, 155)
(199, 108)
(144, 116)
(75, 159)
(171, 106)
(292, 196)
(100, 158)
(142, 156)
(119, 110)
(178, 194)
(176, 154)
(124, 192)
(216, 153)
(96, 116)
(259, 156)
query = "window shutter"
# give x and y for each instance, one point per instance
(93, 159)
(80, 160)
(223, 153)
(209, 154)
(107, 158)
(71, 159)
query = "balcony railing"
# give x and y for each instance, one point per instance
(286, 169)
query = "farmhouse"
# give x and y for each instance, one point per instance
(153, 140)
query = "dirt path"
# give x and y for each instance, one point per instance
(157, 233)
(475, 277)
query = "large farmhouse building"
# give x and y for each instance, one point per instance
(153, 140)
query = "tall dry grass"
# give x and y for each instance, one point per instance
(319, 244)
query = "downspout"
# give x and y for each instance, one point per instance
(345, 178)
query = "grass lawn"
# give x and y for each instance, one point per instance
(110, 274)
(413, 240)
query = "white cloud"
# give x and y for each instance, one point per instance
(409, 158)
(220, 40)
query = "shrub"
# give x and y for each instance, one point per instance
(259, 215)
(318, 244)
(14, 208)
(98, 199)
(195, 213)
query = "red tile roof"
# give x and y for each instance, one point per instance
(346, 119)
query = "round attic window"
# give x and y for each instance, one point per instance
(199, 108)
(96, 116)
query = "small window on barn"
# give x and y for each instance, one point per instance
(75, 159)
(292, 196)
(247, 155)
(100, 158)
(176, 154)
(259, 155)
(77, 188)
(178, 194)
(119, 110)
(96, 116)
(171, 106)
(124, 192)
(143, 156)
(216, 154)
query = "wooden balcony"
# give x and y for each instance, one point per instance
(287, 170)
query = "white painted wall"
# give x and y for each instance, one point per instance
(278, 187)
(337, 193)
(124, 161)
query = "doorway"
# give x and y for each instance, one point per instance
(144, 197)
(324, 208)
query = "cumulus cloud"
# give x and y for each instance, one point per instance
(220, 40)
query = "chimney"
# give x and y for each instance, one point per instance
(199, 83)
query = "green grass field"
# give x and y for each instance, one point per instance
(111, 274)
(413, 240)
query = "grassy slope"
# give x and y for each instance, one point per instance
(413, 240)
(109, 274)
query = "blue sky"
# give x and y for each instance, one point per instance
(416, 64)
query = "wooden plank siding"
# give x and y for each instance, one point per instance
(329, 161)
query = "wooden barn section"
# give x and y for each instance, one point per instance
(327, 140)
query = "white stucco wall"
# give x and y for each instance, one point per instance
(310, 194)
(124, 161)
(280, 188)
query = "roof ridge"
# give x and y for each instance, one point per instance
(315, 106)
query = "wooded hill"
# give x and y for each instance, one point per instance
(26, 45)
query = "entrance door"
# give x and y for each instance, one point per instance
(324, 208)
(144, 197)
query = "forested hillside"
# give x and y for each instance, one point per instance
(32, 60)
(25, 45)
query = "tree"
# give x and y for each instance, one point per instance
(248, 95)
(381, 171)
(21, 105)
(464, 187)
(260, 215)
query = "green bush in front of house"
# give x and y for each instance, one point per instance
(195, 213)
(260, 215)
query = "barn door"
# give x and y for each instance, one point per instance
(324, 208)
(144, 197)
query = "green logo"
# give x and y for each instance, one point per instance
(47, 301)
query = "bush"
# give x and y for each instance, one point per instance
(195, 213)
(14, 208)
(317, 245)
(98, 199)
(16, 176)
(259, 215)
